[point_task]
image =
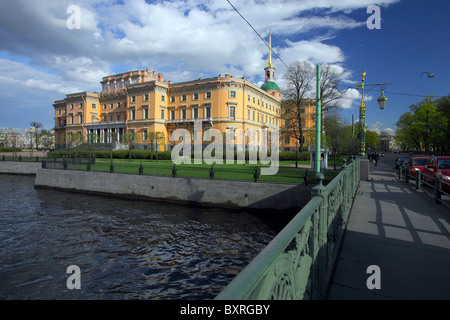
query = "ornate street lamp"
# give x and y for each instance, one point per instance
(382, 101)
(362, 109)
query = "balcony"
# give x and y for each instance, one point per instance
(176, 121)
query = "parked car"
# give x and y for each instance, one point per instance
(399, 161)
(438, 167)
(417, 163)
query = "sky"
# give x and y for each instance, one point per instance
(46, 52)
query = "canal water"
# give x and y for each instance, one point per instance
(125, 249)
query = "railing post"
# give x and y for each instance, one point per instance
(65, 164)
(141, 169)
(111, 168)
(322, 229)
(418, 177)
(174, 171)
(211, 172)
(43, 165)
(255, 174)
(437, 193)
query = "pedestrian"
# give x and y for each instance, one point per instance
(375, 158)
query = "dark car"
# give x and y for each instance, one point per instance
(438, 167)
(399, 161)
(417, 163)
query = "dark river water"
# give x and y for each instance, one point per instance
(125, 249)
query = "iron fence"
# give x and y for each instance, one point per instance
(290, 175)
(438, 186)
(298, 262)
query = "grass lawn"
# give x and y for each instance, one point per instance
(287, 173)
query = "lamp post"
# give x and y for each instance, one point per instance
(362, 109)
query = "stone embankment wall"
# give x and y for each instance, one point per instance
(237, 194)
(13, 167)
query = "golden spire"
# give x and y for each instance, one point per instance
(269, 60)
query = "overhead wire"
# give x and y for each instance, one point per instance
(235, 9)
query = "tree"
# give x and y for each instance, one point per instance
(426, 126)
(372, 140)
(36, 126)
(130, 138)
(300, 79)
(300, 91)
(155, 139)
(333, 137)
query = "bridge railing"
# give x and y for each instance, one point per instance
(298, 262)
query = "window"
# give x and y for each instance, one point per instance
(163, 98)
(146, 97)
(111, 105)
(132, 114)
(133, 99)
(172, 114)
(94, 106)
(104, 106)
(287, 140)
(145, 113)
(208, 95)
(195, 96)
(71, 119)
(183, 97)
(71, 107)
(232, 134)
(232, 112)
(232, 94)
(183, 113)
(172, 99)
(81, 105)
(111, 118)
(248, 97)
(163, 114)
(195, 113)
(208, 112)
(144, 134)
(248, 113)
(118, 117)
(59, 111)
(253, 115)
(80, 118)
(118, 104)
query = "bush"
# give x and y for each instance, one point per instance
(10, 150)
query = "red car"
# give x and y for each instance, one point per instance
(417, 163)
(438, 167)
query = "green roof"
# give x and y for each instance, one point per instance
(270, 85)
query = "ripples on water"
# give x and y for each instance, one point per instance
(126, 249)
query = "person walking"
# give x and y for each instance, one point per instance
(375, 158)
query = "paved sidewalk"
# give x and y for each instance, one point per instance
(403, 233)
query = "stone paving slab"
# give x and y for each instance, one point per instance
(403, 233)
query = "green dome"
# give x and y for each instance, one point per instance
(270, 85)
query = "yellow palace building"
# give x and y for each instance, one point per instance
(144, 103)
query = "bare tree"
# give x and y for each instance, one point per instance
(300, 80)
(300, 91)
(36, 126)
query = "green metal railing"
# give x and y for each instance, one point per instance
(298, 262)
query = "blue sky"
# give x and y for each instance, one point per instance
(41, 60)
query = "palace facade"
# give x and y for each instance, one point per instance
(143, 103)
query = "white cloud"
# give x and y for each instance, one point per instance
(184, 40)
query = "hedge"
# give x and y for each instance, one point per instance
(162, 155)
